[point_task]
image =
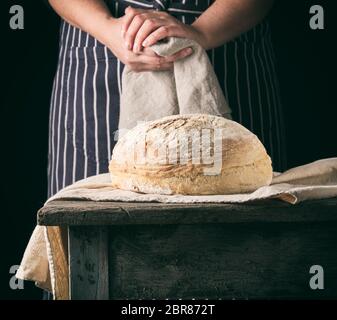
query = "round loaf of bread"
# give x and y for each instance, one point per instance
(192, 155)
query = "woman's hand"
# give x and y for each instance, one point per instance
(143, 60)
(143, 28)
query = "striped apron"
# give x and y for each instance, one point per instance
(87, 87)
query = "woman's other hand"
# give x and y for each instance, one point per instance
(143, 60)
(143, 28)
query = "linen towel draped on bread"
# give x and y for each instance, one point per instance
(317, 180)
(191, 87)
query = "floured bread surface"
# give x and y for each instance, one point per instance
(192, 155)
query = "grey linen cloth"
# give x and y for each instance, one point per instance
(316, 180)
(191, 87)
(45, 259)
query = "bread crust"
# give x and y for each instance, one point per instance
(142, 158)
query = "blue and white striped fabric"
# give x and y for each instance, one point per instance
(87, 87)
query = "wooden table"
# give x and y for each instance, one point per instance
(215, 251)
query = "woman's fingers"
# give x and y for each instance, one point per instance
(163, 32)
(131, 33)
(130, 13)
(143, 28)
(134, 20)
(179, 55)
(140, 25)
(149, 52)
(149, 56)
(149, 25)
(153, 62)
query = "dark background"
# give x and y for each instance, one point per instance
(306, 63)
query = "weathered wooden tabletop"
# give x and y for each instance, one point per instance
(215, 251)
(73, 212)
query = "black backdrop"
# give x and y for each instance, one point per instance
(306, 66)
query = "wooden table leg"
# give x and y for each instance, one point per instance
(88, 263)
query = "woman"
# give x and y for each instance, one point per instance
(98, 38)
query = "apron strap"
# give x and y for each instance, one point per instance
(172, 6)
(161, 5)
